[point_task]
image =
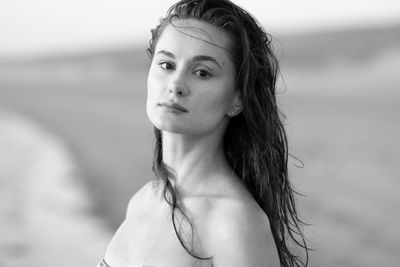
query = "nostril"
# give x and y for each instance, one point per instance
(177, 90)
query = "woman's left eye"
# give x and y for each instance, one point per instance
(203, 73)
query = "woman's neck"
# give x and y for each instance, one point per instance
(193, 161)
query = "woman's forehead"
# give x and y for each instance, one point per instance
(195, 33)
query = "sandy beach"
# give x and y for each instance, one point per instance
(44, 208)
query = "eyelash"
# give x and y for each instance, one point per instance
(168, 66)
(164, 64)
(208, 74)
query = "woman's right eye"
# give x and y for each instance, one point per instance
(165, 65)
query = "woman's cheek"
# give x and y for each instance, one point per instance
(153, 84)
(219, 103)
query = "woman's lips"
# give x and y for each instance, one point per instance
(173, 107)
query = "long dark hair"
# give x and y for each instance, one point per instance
(255, 142)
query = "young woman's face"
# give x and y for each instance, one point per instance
(191, 82)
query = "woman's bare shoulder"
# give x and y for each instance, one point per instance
(146, 191)
(239, 234)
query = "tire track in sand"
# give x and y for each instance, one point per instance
(44, 209)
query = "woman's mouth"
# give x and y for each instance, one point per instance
(173, 107)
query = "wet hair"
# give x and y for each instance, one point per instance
(255, 142)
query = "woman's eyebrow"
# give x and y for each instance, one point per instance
(167, 53)
(206, 58)
(195, 58)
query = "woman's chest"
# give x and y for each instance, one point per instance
(148, 237)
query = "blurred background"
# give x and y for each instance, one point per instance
(75, 142)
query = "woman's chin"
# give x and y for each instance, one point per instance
(170, 127)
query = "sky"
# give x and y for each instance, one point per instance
(51, 26)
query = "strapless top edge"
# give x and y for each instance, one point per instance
(103, 263)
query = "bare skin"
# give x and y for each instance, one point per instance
(228, 224)
(147, 236)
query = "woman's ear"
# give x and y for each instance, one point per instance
(236, 107)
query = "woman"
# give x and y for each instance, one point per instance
(221, 195)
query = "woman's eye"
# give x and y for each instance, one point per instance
(203, 74)
(167, 65)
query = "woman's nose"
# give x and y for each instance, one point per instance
(177, 85)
